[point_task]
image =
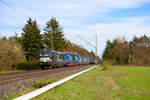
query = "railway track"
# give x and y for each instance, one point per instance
(14, 77)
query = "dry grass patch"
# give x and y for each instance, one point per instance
(111, 83)
(105, 96)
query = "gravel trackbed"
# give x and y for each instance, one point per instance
(18, 81)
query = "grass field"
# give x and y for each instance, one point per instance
(120, 83)
(11, 71)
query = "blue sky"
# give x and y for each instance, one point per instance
(108, 19)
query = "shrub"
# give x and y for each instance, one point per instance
(99, 65)
(105, 65)
(10, 54)
(28, 66)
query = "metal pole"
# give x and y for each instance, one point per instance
(96, 45)
(52, 41)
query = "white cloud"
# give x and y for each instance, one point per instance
(74, 14)
(127, 27)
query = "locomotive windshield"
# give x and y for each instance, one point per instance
(45, 53)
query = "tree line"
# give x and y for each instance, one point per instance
(25, 48)
(33, 41)
(134, 52)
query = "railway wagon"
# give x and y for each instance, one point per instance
(92, 61)
(85, 60)
(80, 60)
(75, 59)
(68, 59)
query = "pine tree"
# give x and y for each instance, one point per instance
(107, 52)
(54, 37)
(31, 40)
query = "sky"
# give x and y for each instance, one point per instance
(108, 19)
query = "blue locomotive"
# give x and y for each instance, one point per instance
(52, 59)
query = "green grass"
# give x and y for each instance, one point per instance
(11, 71)
(120, 83)
(12, 96)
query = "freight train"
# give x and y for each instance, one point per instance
(52, 59)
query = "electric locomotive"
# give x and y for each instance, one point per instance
(51, 59)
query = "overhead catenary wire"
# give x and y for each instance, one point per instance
(86, 41)
(14, 27)
(8, 24)
(90, 43)
(18, 11)
(15, 10)
(9, 6)
(27, 6)
(36, 14)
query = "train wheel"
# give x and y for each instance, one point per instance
(43, 68)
